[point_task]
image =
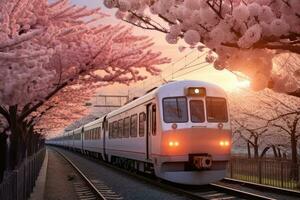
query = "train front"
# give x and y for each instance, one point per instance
(195, 135)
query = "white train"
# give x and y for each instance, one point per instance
(180, 132)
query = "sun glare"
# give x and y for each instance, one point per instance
(243, 84)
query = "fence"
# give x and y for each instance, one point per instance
(18, 184)
(278, 173)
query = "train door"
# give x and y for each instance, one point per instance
(82, 138)
(151, 127)
(104, 129)
(148, 131)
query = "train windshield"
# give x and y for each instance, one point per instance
(197, 111)
(216, 109)
(175, 110)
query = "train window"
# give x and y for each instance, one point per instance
(110, 130)
(126, 127)
(133, 126)
(121, 125)
(142, 124)
(197, 111)
(115, 129)
(99, 133)
(175, 110)
(216, 109)
(154, 120)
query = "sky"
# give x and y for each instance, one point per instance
(224, 79)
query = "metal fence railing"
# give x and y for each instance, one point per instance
(278, 173)
(18, 184)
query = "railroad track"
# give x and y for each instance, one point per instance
(208, 192)
(219, 192)
(272, 189)
(90, 189)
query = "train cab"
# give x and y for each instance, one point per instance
(193, 136)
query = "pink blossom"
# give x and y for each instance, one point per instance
(226, 29)
(241, 13)
(191, 37)
(279, 27)
(251, 36)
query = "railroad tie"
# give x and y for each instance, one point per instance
(106, 191)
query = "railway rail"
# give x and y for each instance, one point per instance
(90, 189)
(219, 192)
(207, 192)
(268, 188)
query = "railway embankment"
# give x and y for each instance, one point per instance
(70, 175)
(60, 178)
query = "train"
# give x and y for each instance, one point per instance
(179, 131)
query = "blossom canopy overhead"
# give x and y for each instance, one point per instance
(55, 55)
(245, 35)
(46, 46)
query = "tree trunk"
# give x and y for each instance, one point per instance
(3, 138)
(294, 173)
(255, 147)
(279, 153)
(249, 150)
(274, 151)
(264, 151)
(18, 146)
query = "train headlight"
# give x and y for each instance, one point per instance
(195, 91)
(224, 143)
(173, 144)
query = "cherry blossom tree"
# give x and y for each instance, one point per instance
(46, 47)
(256, 133)
(278, 114)
(245, 35)
(64, 108)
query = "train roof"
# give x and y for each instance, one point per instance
(171, 89)
(165, 89)
(99, 120)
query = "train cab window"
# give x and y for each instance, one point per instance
(175, 110)
(142, 124)
(126, 130)
(115, 129)
(121, 125)
(133, 126)
(154, 120)
(197, 111)
(216, 109)
(110, 130)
